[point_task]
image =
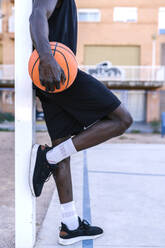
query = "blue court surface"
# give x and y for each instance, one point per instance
(120, 188)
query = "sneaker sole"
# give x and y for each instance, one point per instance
(32, 167)
(77, 239)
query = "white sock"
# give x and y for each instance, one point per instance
(61, 151)
(69, 215)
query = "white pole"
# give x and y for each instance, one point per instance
(24, 135)
(153, 55)
(153, 52)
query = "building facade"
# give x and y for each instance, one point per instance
(6, 55)
(7, 32)
(133, 37)
(126, 33)
(129, 33)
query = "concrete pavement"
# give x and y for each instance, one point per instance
(122, 189)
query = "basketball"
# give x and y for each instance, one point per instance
(64, 57)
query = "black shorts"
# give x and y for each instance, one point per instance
(85, 102)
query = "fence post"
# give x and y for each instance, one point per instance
(163, 124)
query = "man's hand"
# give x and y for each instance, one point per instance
(51, 74)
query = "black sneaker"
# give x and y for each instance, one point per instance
(84, 232)
(40, 169)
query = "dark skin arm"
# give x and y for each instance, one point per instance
(51, 74)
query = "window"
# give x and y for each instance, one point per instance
(1, 17)
(161, 20)
(11, 22)
(125, 14)
(1, 22)
(89, 15)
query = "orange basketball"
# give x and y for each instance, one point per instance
(65, 58)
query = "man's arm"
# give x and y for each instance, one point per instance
(42, 10)
(50, 72)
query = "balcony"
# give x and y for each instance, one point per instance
(128, 77)
(6, 75)
(115, 77)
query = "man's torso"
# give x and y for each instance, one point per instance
(63, 24)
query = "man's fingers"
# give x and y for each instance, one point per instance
(52, 87)
(42, 82)
(45, 84)
(63, 77)
(57, 79)
(57, 84)
(53, 81)
(47, 87)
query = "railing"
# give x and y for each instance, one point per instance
(6, 73)
(127, 73)
(114, 73)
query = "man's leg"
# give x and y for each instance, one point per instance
(62, 177)
(63, 180)
(113, 125)
(70, 220)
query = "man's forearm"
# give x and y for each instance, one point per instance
(50, 72)
(39, 32)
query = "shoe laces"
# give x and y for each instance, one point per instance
(84, 224)
(45, 179)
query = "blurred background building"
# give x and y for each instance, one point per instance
(121, 42)
(7, 56)
(131, 35)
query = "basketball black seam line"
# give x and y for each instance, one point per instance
(67, 48)
(33, 67)
(68, 52)
(54, 55)
(71, 53)
(55, 49)
(66, 65)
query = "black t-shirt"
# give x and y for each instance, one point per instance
(63, 24)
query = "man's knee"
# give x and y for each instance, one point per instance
(123, 117)
(127, 120)
(125, 123)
